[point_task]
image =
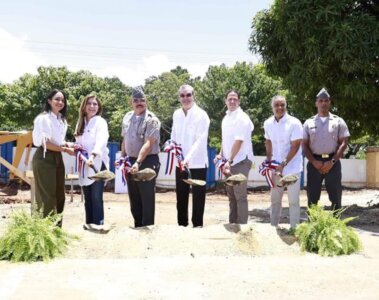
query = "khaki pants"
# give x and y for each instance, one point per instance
(238, 207)
(293, 201)
(49, 179)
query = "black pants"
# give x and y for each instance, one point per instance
(198, 197)
(332, 183)
(93, 202)
(142, 194)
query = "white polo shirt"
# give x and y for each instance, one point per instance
(191, 132)
(48, 126)
(237, 126)
(281, 134)
(94, 139)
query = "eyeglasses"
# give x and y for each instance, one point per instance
(92, 104)
(279, 105)
(185, 95)
(136, 100)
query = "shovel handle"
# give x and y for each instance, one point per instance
(94, 168)
(91, 166)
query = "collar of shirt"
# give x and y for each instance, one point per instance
(282, 119)
(191, 111)
(233, 114)
(55, 117)
(330, 117)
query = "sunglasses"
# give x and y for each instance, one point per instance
(185, 95)
(136, 100)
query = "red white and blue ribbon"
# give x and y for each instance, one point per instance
(265, 170)
(124, 165)
(81, 158)
(173, 150)
(220, 163)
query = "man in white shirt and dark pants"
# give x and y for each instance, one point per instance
(238, 150)
(283, 134)
(190, 130)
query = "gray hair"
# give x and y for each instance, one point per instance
(186, 87)
(277, 97)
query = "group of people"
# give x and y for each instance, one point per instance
(323, 139)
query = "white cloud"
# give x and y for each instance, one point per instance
(151, 66)
(15, 58)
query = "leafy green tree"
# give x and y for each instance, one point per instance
(332, 44)
(256, 89)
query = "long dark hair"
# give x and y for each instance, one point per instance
(82, 113)
(50, 96)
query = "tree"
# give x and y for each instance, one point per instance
(23, 100)
(162, 94)
(332, 44)
(256, 89)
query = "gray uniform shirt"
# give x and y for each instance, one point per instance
(323, 136)
(136, 129)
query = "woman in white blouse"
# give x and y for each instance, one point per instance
(49, 135)
(92, 134)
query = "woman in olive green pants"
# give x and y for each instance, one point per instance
(49, 133)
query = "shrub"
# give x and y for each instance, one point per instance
(32, 238)
(326, 234)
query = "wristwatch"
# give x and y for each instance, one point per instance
(283, 163)
(138, 163)
(230, 161)
(333, 161)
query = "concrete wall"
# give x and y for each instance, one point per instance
(353, 172)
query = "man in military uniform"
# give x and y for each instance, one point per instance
(140, 131)
(324, 142)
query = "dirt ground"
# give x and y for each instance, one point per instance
(218, 261)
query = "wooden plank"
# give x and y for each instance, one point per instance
(13, 169)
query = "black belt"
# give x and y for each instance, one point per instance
(135, 158)
(323, 156)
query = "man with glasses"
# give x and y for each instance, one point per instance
(325, 140)
(283, 134)
(190, 130)
(140, 131)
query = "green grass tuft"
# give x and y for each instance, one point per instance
(32, 238)
(326, 234)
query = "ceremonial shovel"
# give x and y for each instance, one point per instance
(104, 175)
(194, 182)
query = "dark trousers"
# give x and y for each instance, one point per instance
(332, 183)
(93, 202)
(198, 197)
(142, 194)
(49, 177)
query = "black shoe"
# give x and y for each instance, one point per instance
(11, 189)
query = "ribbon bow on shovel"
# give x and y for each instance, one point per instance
(265, 170)
(81, 159)
(124, 164)
(231, 180)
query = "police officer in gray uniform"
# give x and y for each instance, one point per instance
(324, 142)
(140, 131)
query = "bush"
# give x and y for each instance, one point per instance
(32, 238)
(327, 234)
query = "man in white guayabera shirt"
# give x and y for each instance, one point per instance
(190, 131)
(283, 134)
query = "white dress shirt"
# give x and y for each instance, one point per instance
(191, 132)
(281, 134)
(48, 126)
(94, 139)
(237, 126)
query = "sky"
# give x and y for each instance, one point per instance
(129, 39)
